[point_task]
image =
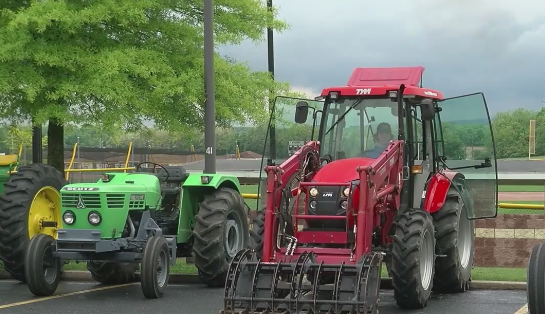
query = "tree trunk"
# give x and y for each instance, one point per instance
(55, 144)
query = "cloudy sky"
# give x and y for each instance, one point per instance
(492, 46)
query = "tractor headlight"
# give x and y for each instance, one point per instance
(68, 217)
(344, 205)
(346, 192)
(313, 192)
(313, 204)
(94, 218)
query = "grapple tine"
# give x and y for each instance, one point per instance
(316, 287)
(233, 274)
(274, 285)
(254, 284)
(336, 288)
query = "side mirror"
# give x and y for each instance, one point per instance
(427, 108)
(301, 112)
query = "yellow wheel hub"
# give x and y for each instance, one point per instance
(46, 206)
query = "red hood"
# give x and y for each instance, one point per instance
(342, 170)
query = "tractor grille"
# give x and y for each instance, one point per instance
(91, 201)
(115, 201)
(137, 204)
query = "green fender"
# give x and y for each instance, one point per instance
(194, 189)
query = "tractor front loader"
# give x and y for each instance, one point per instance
(373, 187)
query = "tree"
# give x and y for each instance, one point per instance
(511, 132)
(117, 63)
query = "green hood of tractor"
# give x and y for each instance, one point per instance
(113, 200)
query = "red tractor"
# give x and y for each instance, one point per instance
(356, 195)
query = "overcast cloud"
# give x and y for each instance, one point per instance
(496, 47)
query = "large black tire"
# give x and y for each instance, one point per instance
(39, 253)
(455, 236)
(412, 277)
(257, 231)
(155, 267)
(219, 213)
(535, 280)
(15, 203)
(113, 273)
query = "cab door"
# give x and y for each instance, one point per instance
(465, 140)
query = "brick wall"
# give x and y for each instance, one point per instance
(507, 240)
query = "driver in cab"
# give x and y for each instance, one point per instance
(382, 139)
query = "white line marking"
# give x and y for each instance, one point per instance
(522, 310)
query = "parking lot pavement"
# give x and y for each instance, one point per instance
(84, 298)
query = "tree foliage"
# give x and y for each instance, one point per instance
(119, 63)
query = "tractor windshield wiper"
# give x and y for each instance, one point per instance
(357, 102)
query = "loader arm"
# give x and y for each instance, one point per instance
(277, 179)
(373, 188)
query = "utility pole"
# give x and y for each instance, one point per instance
(270, 57)
(209, 110)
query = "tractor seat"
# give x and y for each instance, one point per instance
(7, 160)
(176, 174)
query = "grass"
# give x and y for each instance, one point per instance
(478, 273)
(521, 188)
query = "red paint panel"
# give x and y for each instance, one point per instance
(437, 191)
(410, 76)
(382, 91)
(342, 170)
(326, 255)
(322, 237)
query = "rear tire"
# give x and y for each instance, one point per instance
(220, 213)
(42, 281)
(413, 259)
(256, 233)
(112, 273)
(155, 267)
(535, 292)
(455, 236)
(15, 204)
(258, 229)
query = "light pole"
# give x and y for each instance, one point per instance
(270, 58)
(209, 110)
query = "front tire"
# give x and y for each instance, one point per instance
(535, 292)
(413, 259)
(455, 236)
(42, 270)
(221, 230)
(155, 267)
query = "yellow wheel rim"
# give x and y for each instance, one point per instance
(46, 206)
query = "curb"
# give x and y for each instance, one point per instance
(194, 279)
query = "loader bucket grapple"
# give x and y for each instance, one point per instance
(370, 186)
(285, 287)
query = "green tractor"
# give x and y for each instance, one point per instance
(148, 217)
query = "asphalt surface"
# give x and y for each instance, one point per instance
(197, 299)
(504, 166)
